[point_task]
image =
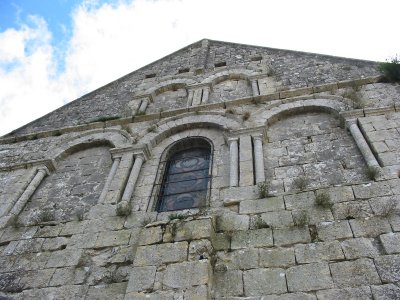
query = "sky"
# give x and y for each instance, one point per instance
(54, 51)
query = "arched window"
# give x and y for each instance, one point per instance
(187, 174)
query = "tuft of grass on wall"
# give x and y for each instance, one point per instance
(391, 69)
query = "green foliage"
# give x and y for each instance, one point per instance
(324, 200)
(246, 116)
(123, 209)
(391, 69)
(44, 216)
(263, 189)
(388, 208)
(152, 128)
(301, 183)
(176, 217)
(372, 173)
(301, 219)
(230, 111)
(260, 223)
(354, 95)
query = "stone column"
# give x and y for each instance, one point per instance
(234, 161)
(362, 145)
(110, 177)
(133, 177)
(254, 87)
(143, 105)
(30, 189)
(190, 98)
(206, 94)
(258, 158)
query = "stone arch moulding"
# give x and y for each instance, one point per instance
(169, 127)
(167, 84)
(112, 137)
(219, 76)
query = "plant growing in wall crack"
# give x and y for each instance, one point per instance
(263, 189)
(391, 69)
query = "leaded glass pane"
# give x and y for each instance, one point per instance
(186, 180)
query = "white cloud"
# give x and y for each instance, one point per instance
(109, 41)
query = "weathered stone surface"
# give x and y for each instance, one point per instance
(228, 283)
(329, 231)
(370, 190)
(388, 267)
(316, 252)
(68, 276)
(354, 273)
(195, 229)
(231, 222)
(370, 227)
(57, 243)
(291, 236)
(113, 238)
(277, 257)
(64, 258)
(259, 282)
(155, 255)
(186, 274)
(141, 279)
(346, 293)
(261, 205)
(82, 241)
(278, 219)
(200, 249)
(243, 259)
(110, 291)
(386, 292)
(299, 201)
(151, 235)
(234, 195)
(252, 238)
(359, 247)
(391, 242)
(309, 277)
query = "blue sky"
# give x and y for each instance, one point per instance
(54, 51)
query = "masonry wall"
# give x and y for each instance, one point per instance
(78, 186)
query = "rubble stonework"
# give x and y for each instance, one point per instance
(303, 200)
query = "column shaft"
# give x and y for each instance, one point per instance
(234, 162)
(259, 159)
(143, 105)
(363, 146)
(133, 177)
(254, 87)
(110, 177)
(30, 189)
(206, 93)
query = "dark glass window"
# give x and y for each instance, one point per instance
(185, 180)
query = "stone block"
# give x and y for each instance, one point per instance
(261, 205)
(337, 230)
(36, 278)
(141, 279)
(370, 227)
(359, 247)
(300, 200)
(221, 241)
(354, 273)
(233, 195)
(49, 231)
(290, 236)
(104, 224)
(391, 242)
(186, 274)
(388, 267)
(338, 193)
(57, 243)
(113, 238)
(258, 282)
(277, 257)
(309, 277)
(200, 249)
(62, 292)
(252, 238)
(346, 293)
(83, 240)
(197, 293)
(115, 291)
(68, 276)
(371, 190)
(155, 255)
(317, 252)
(151, 235)
(140, 219)
(194, 230)
(385, 292)
(278, 219)
(232, 222)
(74, 227)
(64, 258)
(229, 283)
(242, 259)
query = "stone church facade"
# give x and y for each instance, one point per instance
(221, 171)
